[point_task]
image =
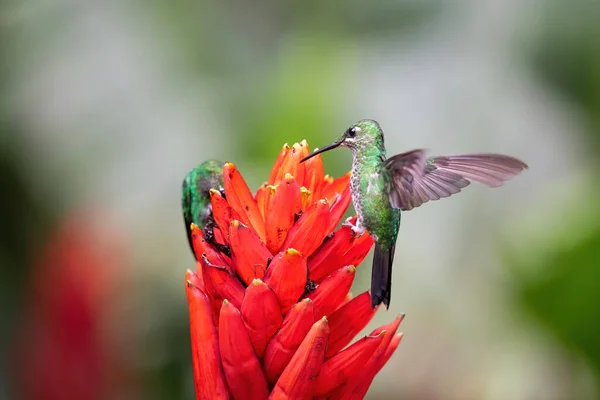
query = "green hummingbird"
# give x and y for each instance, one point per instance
(195, 199)
(384, 187)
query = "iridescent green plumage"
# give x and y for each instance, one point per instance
(383, 187)
(195, 196)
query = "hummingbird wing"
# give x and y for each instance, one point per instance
(416, 179)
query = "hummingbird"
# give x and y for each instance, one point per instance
(383, 187)
(195, 199)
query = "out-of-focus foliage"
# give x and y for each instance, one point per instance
(564, 294)
(564, 299)
(568, 56)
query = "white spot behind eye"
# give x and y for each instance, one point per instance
(357, 129)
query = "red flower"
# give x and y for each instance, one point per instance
(63, 349)
(274, 319)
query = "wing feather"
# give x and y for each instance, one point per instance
(417, 179)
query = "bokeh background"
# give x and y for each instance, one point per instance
(105, 106)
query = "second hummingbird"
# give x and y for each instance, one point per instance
(195, 199)
(384, 187)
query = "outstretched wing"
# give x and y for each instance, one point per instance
(416, 179)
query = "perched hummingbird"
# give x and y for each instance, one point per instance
(384, 187)
(195, 198)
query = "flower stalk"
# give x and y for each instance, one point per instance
(273, 316)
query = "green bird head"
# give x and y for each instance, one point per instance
(364, 134)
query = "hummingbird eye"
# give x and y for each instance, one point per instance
(353, 131)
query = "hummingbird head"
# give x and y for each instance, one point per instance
(364, 134)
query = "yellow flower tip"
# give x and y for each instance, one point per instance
(293, 252)
(214, 192)
(235, 224)
(351, 269)
(229, 165)
(303, 142)
(348, 173)
(225, 302)
(193, 226)
(307, 300)
(305, 192)
(324, 320)
(288, 177)
(272, 188)
(328, 179)
(257, 282)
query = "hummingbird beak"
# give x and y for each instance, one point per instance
(322, 150)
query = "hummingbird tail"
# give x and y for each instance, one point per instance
(381, 277)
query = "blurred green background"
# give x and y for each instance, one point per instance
(105, 106)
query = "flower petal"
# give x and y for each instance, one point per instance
(389, 352)
(261, 315)
(359, 249)
(287, 277)
(308, 232)
(339, 207)
(286, 203)
(209, 380)
(371, 368)
(242, 368)
(291, 163)
(214, 258)
(332, 291)
(250, 255)
(313, 176)
(220, 284)
(305, 198)
(261, 199)
(344, 248)
(277, 165)
(298, 378)
(346, 300)
(360, 384)
(197, 238)
(222, 212)
(286, 341)
(202, 249)
(347, 321)
(344, 366)
(241, 200)
(333, 186)
(219, 236)
(391, 327)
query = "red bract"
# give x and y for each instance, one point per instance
(274, 318)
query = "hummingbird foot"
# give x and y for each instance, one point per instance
(221, 267)
(357, 230)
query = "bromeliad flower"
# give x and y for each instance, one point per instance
(271, 315)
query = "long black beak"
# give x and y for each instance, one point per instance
(322, 150)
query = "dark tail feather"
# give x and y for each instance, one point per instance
(381, 276)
